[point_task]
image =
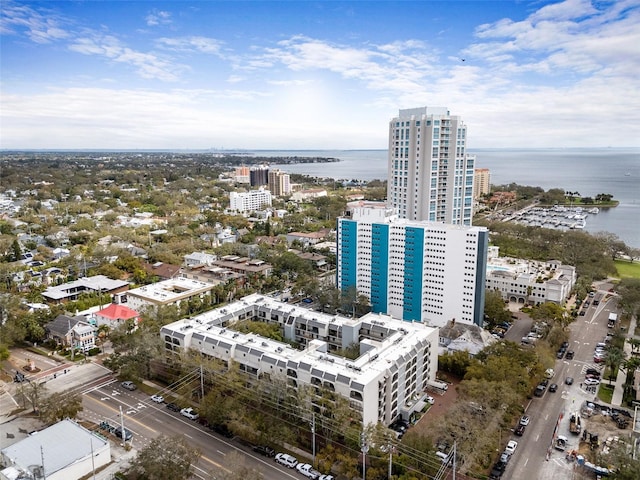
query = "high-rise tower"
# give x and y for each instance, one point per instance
(430, 175)
(428, 272)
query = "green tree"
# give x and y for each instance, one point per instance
(495, 310)
(629, 295)
(164, 457)
(59, 406)
(550, 312)
(615, 357)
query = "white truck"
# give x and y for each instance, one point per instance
(437, 385)
(613, 318)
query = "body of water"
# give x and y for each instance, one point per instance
(587, 171)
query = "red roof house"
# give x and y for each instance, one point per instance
(116, 314)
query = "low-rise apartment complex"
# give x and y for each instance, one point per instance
(389, 378)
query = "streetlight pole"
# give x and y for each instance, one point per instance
(313, 437)
(365, 448)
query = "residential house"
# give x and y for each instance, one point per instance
(197, 259)
(164, 271)
(72, 290)
(308, 239)
(72, 331)
(115, 315)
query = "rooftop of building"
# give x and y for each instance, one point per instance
(397, 338)
(97, 283)
(59, 445)
(171, 290)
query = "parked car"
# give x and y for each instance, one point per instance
(326, 477)
(504, 457)
(519, 431)
(511, 447)
(286, 460)
(593, 371)
(591, 381)
(524, 420)
(190, 413)
(128, 385)
(539, 391)
(222, 429)
(264, 450)
(173, 407)
(308, 471)
(497, 471)
(157, 398)
(569, 355)
(127, 434)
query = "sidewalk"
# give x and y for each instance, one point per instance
(616, 399)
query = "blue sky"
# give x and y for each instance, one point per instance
(315, 75)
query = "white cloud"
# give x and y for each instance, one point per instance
(148, 65)
(193, 44)
(158, 17)
(38, 27)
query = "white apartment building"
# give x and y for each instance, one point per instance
(417, 271)
(388, 380)
(430, 173)
(244, 202)
(168, 292)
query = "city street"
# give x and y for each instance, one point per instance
(535, 457)
(147, 420)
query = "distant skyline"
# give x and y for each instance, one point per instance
(315, 75)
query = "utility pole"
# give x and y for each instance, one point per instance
(44, 473)
(124, 436)
(365, 448)
(71, 341)
(201, 383)
(390, 447)
(313, 436)
(93, 463)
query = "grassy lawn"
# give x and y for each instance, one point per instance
(627, 269)
(605, 393)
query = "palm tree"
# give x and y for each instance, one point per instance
(615, 356)
(635, 344)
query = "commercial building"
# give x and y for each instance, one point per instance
(244, 202)
(388, 380)
(417, 271)
(430, 173)
(64, 451)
